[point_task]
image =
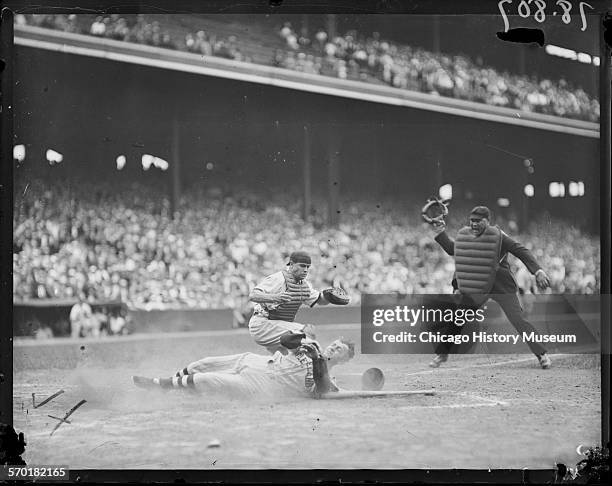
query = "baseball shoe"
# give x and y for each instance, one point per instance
(438, 360)
(143, 382)
(544, 361)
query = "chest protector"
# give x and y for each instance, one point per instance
(477, 261)
(299, 292)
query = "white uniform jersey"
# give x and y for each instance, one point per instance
(276, 284)
(293, 370)
(250, 374)
(80, 311)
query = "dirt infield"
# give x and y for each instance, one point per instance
(498, 411)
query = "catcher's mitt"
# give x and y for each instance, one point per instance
(434, 211)
(336, 296)
(372, 379)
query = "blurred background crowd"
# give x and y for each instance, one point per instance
(353, 55)
(104, 242)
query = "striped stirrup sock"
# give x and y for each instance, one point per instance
(176, 382)
(183, 372)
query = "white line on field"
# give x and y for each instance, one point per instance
(484, 401)
(454, 405)
(155, 336)
(483, 365)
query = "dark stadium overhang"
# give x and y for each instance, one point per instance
(120, 51)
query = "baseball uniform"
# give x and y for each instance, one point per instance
(270, 321)
(245, 375)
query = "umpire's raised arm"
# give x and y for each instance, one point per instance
(445, 241)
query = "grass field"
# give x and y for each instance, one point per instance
(498, 411)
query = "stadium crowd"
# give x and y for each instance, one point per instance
(111, 242)
(355, 56)
(141, 31)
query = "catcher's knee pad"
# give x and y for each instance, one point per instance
(309, 330)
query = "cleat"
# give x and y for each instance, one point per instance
(544, 361)
(143, 382)
(438, 360)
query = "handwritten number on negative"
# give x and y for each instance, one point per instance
(523, 9)
(539, 14)
(567, 8)
(500, 5)
(582, 15)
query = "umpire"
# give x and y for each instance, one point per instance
(482, 271)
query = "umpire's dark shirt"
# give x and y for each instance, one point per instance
(504, 280)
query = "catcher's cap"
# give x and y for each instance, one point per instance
(300, 257)
(481, 212)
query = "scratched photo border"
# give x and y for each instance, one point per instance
(390, 7)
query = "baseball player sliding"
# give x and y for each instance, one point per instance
(278, 298)
(303, 371)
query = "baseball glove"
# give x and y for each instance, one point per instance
(434, 211)
(336, 295)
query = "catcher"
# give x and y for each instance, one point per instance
(303, 370)
(482, 270)
(278, 298)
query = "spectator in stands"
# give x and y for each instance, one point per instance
(136, 33)
(303, 40)
(371, 59)
(71, 25)
(43, 332)
(286, 30)
(97, 324)
(279, 58)
(20, 19)
(108, 27)
(145, 36)
(118, 322)
(97, 27)
(81, 316)
(287, 33)
(321, 39)
(202, 44)
(222, 49)
(118, 247)
(190, 42)
(120, 30)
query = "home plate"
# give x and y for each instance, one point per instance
(382, 393)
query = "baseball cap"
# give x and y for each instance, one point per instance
(300, 257)
(481, 212)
